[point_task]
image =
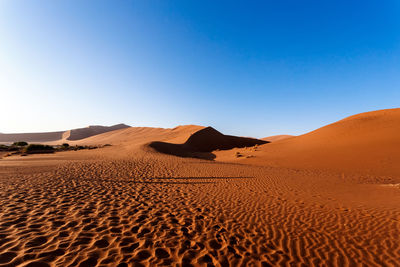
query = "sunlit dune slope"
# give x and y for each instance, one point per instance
(81, 133)
(368, 142)
(275, 138)
(141, 135)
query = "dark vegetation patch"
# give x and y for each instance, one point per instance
(20, 143)
(23, 148)
(38, 149)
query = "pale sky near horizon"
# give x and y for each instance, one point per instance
(249, 68)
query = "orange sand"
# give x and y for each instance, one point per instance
(61, 136)
(275, 138)
(291, 202)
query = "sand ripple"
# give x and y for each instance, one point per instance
(161, 210)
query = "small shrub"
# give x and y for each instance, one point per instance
(14, 148)
(64, 147)
(37, 148)
(20, 143)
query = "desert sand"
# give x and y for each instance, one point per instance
(191, 196)
(60, 136)
(275, 138)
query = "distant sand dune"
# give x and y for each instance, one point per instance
(31, 137)
(134, 136)
(82, 133)
(60, 136)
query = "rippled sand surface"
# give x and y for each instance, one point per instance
(94, 208)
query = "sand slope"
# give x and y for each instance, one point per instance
(131, 205)
(31, 137)
(60, 136)
(82, 133)
(275, 138)
(367, 142)
(134, 136)
(204, 141)
(106, 207)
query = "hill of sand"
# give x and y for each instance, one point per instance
(60, 136)
(134, 136)
(129, 205)
(204, 141)
(367, 142)
(275, 138)
(31, 137)
(81, 133)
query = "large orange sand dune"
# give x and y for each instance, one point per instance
(367, 142)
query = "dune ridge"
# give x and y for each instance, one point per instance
(82, 133)
(31, 137)
(134, 136)
(201, 143)
(60, 136)
(367, 142)
(275, 138)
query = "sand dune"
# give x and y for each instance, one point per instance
(204, 141)
(275, 138)
(129, 205)
(82, 133)
(60, 136)
(31, 137)
(367, 142)
(134, 136)
(209, 139)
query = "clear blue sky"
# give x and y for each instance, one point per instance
(253, 68)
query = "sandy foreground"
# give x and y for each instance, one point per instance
(129, 205)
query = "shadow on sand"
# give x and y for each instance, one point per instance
(203, 142)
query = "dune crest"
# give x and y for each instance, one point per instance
(275, 138)
(201, 143)
(60, 136)
(82, 133)
(367, 142)
(134, 136)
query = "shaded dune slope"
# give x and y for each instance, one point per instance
(201, 143)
